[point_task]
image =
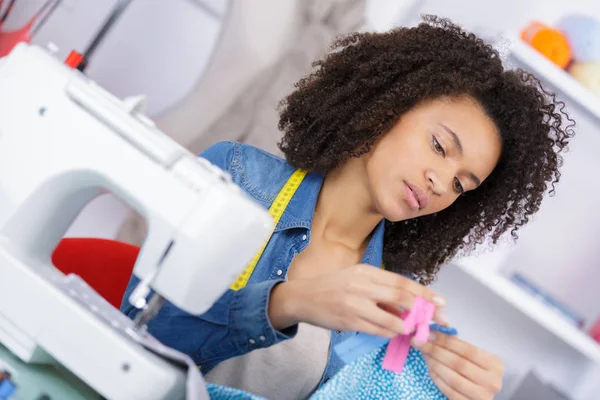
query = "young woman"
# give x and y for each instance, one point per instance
(418, 144)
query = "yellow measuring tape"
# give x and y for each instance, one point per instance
(276, 210)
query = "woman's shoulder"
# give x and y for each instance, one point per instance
(257, 171)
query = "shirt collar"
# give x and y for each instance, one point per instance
(301, 208)
(374, 253)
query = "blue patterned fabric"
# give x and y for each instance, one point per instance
(364, 379)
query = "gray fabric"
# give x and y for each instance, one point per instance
(289, 370)
(195, 386)
(254, 115)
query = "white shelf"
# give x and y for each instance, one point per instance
(540, 66)
(536, 310)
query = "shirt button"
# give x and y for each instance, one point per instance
(252, 341)
(304, 237)
(279, 272)
(262, 338)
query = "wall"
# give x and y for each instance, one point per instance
(502, 16)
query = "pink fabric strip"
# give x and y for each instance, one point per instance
(418, 317)
(396, 353)
(426, 315)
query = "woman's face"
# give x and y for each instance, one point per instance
(437, 151)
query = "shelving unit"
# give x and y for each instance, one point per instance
(536, 310)
(536, 63)
(531, 60)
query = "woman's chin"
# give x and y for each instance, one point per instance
(397, 212)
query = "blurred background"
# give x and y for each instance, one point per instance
(215, 70)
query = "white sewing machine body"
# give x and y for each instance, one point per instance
(64, 141)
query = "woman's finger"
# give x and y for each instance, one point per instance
(456, 382)
(396, 297)
(401, 283)
(371, 312)
(456, 363)
(390, 296)
(444, 388)
(472, 353)
(392, 309)
(365, 326)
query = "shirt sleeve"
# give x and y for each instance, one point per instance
(237, 322)
(220, 154)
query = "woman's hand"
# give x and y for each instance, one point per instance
(460, 370)
(359, 298)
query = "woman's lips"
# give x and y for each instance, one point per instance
(417, 199)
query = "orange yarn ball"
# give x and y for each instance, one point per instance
(552, 43)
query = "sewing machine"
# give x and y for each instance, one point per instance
(64, 141)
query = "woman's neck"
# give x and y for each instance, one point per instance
(344, 212)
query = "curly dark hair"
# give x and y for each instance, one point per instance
(361, 88)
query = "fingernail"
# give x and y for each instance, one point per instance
(416, 343)
(432, 336)
(441, 316)
(439, 301)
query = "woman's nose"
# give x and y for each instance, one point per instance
(437, 185)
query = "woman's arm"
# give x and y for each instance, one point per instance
(359, 298)
(236, 324)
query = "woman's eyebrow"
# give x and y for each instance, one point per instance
(455, 138)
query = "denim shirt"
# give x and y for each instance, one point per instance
(238, 321)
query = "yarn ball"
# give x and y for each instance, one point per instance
(550, 42)
(583, 34)
(588, 74)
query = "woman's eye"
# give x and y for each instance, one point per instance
(458, 187)
(438, 147)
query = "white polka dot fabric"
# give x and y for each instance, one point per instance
(365, 379)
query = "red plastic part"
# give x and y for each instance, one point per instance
(106, 265)
(73, 59)
(8, 40)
